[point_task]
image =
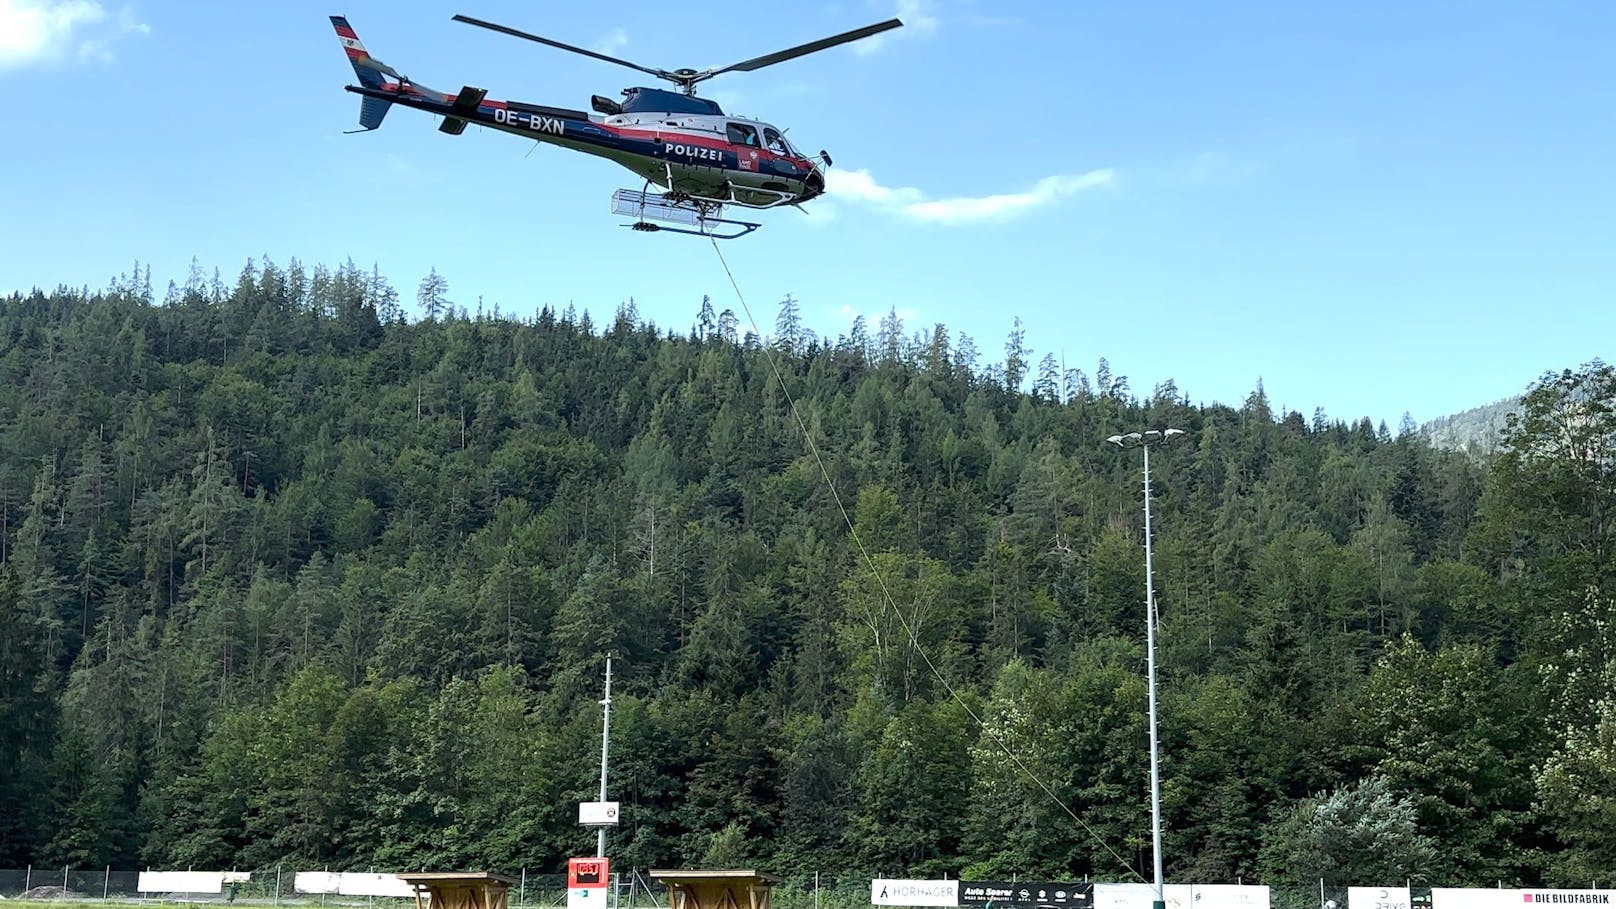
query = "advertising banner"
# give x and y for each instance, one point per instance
(1532, 898)
(597, 814)
(1027, 894)
(181, 882)
(884, 892)
(1181, 896)
(317, 882)
(1227, 896)
(1379, 898)
(351, 883)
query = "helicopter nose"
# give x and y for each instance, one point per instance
(813, 184)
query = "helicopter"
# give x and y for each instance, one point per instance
(701, 158)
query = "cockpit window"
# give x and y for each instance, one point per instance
(741, 134)
(775, 141)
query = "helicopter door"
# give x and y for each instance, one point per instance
(742, 134)
(775, 141)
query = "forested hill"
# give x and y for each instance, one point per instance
(286, 577)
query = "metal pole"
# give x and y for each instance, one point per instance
(605, 741)
(277, 884)
(1150, 661)
(1145, 440)
(106, 884)
(521, 892)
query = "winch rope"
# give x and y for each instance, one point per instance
(886, 595)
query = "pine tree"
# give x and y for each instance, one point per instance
(431, 297)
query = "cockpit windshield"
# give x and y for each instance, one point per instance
(773, 141)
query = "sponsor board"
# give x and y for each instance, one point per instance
(1181, 896)
(351, 883)
(1026, 894)
(893, 892)
(1527, 898)
(597, 814)
(361, 884)
(181, 882)
(1379, 898)
(1064, 895)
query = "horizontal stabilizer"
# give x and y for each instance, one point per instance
(454, 126)
(468, 99)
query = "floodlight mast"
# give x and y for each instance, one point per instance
(605, 742)
(1145, 441)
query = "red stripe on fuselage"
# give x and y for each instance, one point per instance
(669, 136)
(675, 135)
(486, 102)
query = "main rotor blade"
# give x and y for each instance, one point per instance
(809, 48)
(517, 33)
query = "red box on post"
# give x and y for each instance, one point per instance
(587, 873)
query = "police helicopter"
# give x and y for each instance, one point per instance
(701, 158)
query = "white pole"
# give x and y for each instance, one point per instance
(605, 742)
(1150, 660)
(1145, 440)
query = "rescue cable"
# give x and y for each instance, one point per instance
(886, 595)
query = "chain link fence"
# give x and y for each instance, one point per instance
(275, 886)
(631, 889)
(68, 883)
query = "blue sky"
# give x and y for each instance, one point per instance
(1373, 207)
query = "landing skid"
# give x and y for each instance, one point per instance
(690, 215)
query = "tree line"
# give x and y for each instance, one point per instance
(286, 576)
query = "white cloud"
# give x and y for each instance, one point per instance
(38, 31)
(919, 18)
(613, 42)
(859, 186)
(918, 15)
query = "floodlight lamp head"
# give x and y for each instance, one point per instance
(1115, 440)
(1172, 432)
